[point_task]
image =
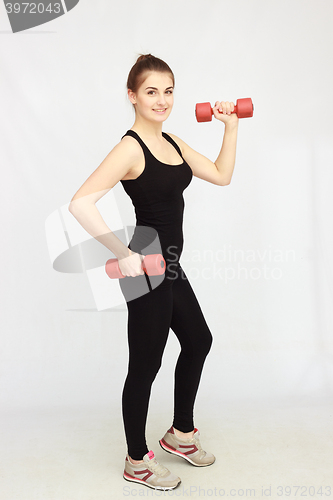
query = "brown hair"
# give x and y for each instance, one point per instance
(144, 64)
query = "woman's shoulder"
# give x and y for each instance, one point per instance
(129, 146)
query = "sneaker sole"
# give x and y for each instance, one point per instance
(173, 451)
(132, 479)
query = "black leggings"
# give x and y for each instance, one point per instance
(170, 305)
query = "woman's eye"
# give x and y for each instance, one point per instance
(151, 92)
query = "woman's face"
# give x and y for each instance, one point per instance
(154, 98)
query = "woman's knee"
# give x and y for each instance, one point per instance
(145, 371)
(200, 345)
(206, 343)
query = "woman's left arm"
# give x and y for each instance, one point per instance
(221, 171)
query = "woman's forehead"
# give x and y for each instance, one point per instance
(158, 79)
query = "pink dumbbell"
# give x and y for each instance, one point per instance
(153, 265)
(244, 109)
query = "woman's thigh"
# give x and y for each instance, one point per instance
(188, 321)
(149, 318)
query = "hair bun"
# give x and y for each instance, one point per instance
(142, 57)
(146, 63)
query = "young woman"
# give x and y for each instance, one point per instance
(154, 169)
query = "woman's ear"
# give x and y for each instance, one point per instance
(131, 96)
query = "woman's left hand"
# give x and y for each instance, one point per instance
(226, 116)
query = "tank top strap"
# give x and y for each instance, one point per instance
(146, 150)
(175, 145)
(132, 133)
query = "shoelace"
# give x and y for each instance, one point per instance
(156, 467)
(197, 443)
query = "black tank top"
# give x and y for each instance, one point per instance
(157, 197)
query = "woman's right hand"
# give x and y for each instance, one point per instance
(131, 265)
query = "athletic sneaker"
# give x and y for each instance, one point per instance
(150, 473)
(190, 449)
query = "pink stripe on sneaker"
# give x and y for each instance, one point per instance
(167, 445)
(172, 449)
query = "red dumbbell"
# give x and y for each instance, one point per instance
(244, 109)
(153, 265)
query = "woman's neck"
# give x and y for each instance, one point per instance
(148, 129)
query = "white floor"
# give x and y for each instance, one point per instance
(263, 450)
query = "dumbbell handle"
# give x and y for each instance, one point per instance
(153, 265)
(243, 108)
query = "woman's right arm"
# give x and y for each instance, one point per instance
(123, 157)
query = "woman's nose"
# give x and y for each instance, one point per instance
(161, 99)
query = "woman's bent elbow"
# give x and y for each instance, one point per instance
(71, 208)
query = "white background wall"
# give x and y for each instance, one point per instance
(64, 107)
